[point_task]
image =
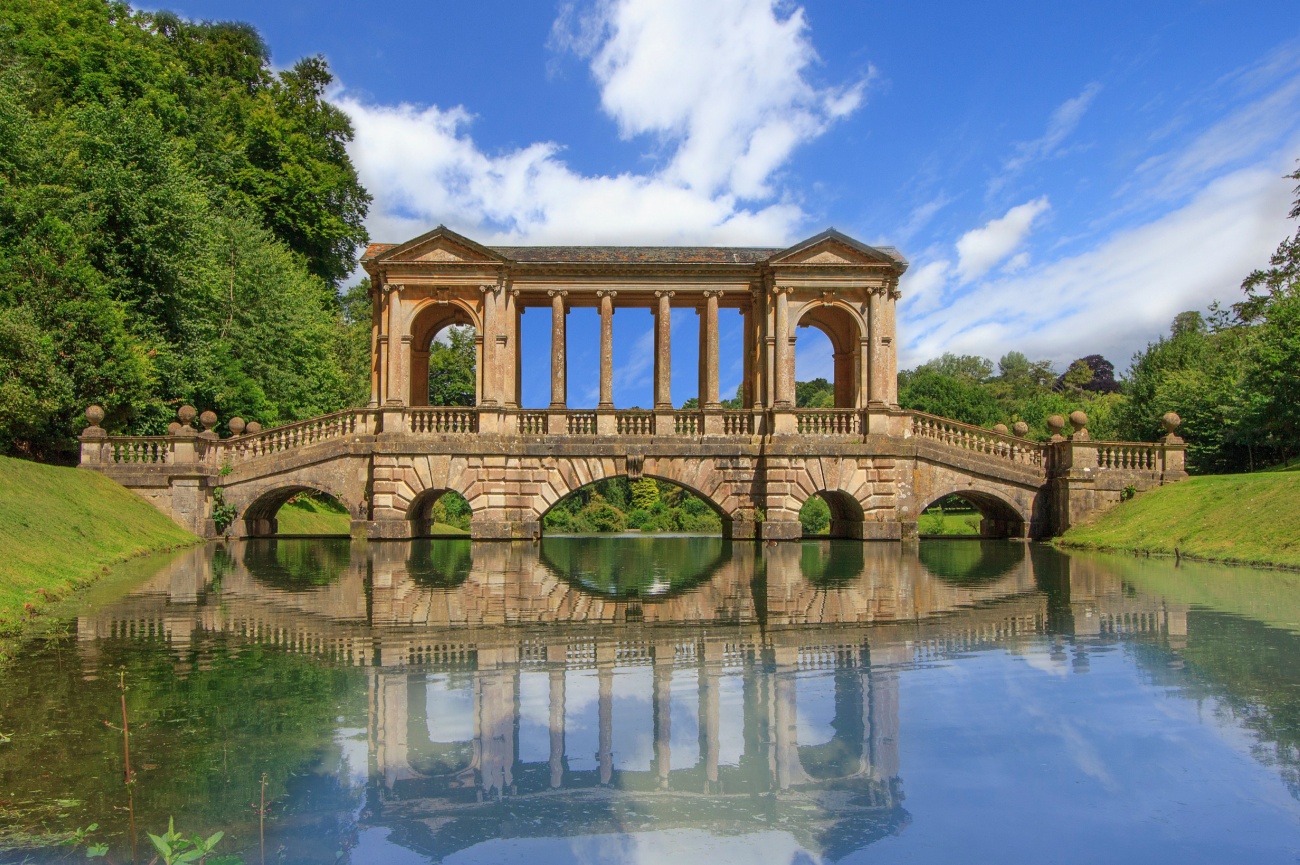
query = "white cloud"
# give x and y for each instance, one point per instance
(980, 249)
(722, 87)
(1064, 120)
(1067, 308)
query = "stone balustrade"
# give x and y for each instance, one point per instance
(442, 420)
(1128, 455)
(294, 435)
(142, 450)
(977, 439)
(828, 422)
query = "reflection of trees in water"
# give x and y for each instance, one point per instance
(294, 565)
(970, 563)
(831, 564)
(1251, 669)
(635, 567)
(440, 563)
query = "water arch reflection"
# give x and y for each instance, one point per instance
(626, 568)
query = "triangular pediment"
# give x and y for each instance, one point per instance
(441, 245)
(834, 248)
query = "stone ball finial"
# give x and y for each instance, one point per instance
(173, 428)
(1000, 429)
(236, 425)
(1021, 428)
(186, 413)
(253, 428)
(1078, 420)
(208, 419)
(1171, 422)
(95, 414)
(1056, 423)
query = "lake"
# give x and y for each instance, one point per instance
(664, 700)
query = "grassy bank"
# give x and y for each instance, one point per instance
(1248, 519)
(60, 528)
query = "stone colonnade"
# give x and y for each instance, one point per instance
(844, 288)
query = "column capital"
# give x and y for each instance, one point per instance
(712, 292)
(561, 292)
(485, 289)
(390, 287)
(662, 292)
(782, 289)
(606, 292)
(514, 292)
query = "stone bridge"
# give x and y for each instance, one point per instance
(876, 465)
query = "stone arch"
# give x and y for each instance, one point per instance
(698, 493)
(846, 330)
(427, 319)
(417, 512)
(405, 486)
(862, 492)
(1001, 516)
(847, 513)
(258, 516)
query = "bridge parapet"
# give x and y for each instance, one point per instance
(880, 468)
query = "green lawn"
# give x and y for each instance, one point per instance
(1251, 519)
(936, 522)
(60, 528)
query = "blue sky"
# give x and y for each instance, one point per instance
(1065, 177)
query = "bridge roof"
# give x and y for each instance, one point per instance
(742, 255)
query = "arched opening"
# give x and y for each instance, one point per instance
(293, 566)
(647, 506)
(443, 563)
(831, 564)
(971, 513)
(296, 511)
(446, 355)
(832, 514)
(831, 727)
(831, 341)
(440, 726)
(439, 514)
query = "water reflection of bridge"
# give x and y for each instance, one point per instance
(508, 680)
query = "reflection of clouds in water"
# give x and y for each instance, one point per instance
(581, 719)
(731, 719)
(1045, 663)
(815, 707)
(684, 734)
(534, 717)
(354, 755)
(673, 847)
(633, 720)
(449, 708)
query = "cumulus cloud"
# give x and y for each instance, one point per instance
(980, 249)
(1065, 308)
(722, 88)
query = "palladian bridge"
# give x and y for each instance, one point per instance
(876, 465)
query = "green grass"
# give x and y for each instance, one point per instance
(60, 528)
(936, 522)
(1248, 519)
(320, 515)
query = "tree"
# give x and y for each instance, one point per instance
(818, 393)
(1092, 373)
(452, 368)
(960, 399)
(645, 493)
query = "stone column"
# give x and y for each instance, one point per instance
(515, 357)
(889, 337)
(606, 347)
(396, 387)
(750, 362)
(784, 395)
(710, 718)
(663, 352)
(709, 396)
(559, 388)
(875, 360)
(488, 380)
(376, 310)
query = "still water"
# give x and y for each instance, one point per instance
(666, 700)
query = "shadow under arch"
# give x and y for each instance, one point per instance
(999, 518)
(260, 518)
(970, 562)
(419, 513)
(696, 515)
(841, 756)
(441, 563)
(845, 335)
(615, 567)
(847, 515)
(297, 565)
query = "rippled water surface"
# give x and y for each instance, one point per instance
(666, 700)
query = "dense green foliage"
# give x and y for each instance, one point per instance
(175, 218)
(452, 368)
(617, 505)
